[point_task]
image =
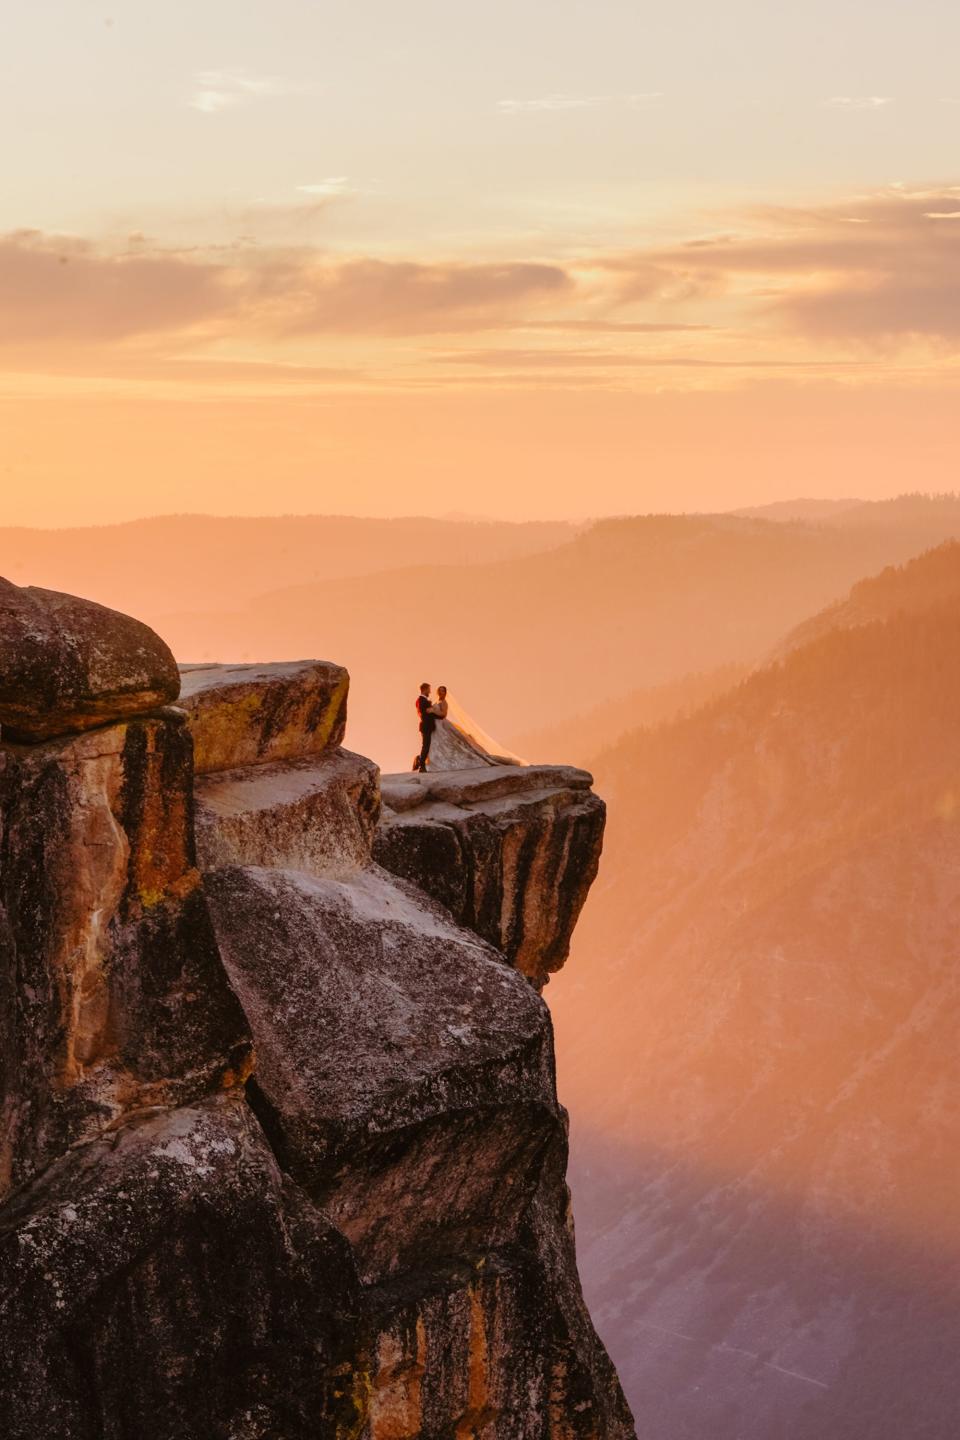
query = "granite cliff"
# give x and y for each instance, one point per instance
(282, 1154)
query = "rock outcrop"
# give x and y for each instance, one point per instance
(67, 664)
(511, 851)
(283, 1152)
(316, 815)
(251, 714)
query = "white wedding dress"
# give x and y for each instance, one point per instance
(460, 744)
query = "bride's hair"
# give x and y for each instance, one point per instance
(441, 689)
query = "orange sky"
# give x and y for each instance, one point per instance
(532, 266)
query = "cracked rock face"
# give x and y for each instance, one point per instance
(510, 851)
(112, 994)
(398, 1058)
(283, 1157)
(166, 1280)
(67, 665)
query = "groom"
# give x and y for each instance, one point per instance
(428, 723)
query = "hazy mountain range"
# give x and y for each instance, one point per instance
(207, 562)
(609, 720)
(531, 626)
(758, 1039)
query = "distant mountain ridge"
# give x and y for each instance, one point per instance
(607, 723)
(799, 509)
(916, 511)
(928, 581)
(639, 602)
(763, 1084)
(199, 560)
(496, 611)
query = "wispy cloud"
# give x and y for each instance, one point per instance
(858, 102)
(558, 102)
(56, 288)
(787, 274)
(393, 297)
(327, 188)
(619, 359)
(218, 90)
(808, 270)
(614, 327)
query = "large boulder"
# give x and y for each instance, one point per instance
(510, 851)
(252, 714)
(316, 815)
(68, 664)
(397, 1057)
(405, 1078)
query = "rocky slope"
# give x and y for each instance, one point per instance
(760, 1036)
(283, 1155)
(930, 581)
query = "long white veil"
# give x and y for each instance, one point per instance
(459, 743)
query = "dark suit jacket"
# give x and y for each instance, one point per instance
(427, 722)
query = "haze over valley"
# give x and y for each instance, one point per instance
(757, 1028)
(531, 626)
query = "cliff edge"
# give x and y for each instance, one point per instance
(282, 1153)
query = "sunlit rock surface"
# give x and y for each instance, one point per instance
(511, 851)
(112, 994)
(250, 714)
(68, 664)
(315, 815)
(398, 1057)
(359, 1227)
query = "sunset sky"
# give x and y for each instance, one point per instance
(518, 259)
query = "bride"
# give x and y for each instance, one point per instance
(458, 742)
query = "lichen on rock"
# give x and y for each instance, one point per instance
(252, 714)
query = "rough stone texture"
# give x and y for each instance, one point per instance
(500, 1348)
(397, 1056)
(112, 995)
(68, 664)
(510, 851)
(316, 815)
(169, 1282)
(489, 1353)
(363, 1232)
(405, 1078)
(250, 714)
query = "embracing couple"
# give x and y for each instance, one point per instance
(429, 712)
